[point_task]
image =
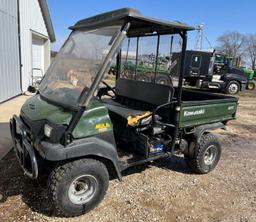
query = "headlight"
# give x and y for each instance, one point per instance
(47, 130)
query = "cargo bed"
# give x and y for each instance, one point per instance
(199, 108)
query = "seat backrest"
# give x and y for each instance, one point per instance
(154, 94)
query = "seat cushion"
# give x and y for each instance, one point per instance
(120, 109)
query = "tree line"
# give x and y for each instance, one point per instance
(237, 45)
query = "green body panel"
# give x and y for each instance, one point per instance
(250, 74)
(95, 120)
(193, 115)
(95, 115)
(143, 68)
(37, 109)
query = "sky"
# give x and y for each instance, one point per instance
(218, 16)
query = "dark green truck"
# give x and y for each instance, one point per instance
(78, 129)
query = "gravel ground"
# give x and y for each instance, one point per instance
(162, 191)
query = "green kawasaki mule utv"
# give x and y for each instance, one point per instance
(84, 124)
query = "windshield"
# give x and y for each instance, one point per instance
(219, 59)
(77, 64)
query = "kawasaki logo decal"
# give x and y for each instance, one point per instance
(194, 113)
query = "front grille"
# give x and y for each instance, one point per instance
(25, 121)
(29, 136)
(34, 128)
(36, 131)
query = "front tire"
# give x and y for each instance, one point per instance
(77, 187)
(233, 87)
(206, 154)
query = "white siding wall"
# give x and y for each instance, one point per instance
(9, 50)
(31, 20)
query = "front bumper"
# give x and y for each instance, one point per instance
(23, 148)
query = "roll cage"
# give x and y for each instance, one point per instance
(134, 24)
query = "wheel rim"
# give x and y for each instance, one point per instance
(209, 155)
(82, 189)
(250, 86)
(144, 78)
(233, 88)
(163, 81)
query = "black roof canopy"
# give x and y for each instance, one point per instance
(140, 24)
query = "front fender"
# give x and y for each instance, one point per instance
(234, 77)
(91, 146)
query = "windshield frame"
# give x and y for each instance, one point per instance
(83, 94)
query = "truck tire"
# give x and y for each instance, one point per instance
(77, 187)
(251, 85)
(144, 77)
(233, 87)
(206, 154)
(163, 79)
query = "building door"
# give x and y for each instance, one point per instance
(10, 82)
(37, 58)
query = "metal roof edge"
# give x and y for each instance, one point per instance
(47, 19)
(126, 13)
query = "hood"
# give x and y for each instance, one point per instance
(37, 109)
(236, 70)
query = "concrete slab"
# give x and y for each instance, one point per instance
(7, 110)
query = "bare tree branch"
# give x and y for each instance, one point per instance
(232, 44)
(251, 49)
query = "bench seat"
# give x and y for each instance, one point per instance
(137, 98)
(120, 109)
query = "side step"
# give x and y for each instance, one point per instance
(135, 160)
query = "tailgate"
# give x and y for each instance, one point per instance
(197, 113)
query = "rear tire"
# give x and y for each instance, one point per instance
(251, 85)
(77, 187)
(144, 77)
(233, 87)
(206, 154)
(163, 79)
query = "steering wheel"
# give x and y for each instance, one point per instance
(109, 87)
(104, 91)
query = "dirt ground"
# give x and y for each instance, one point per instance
(162, 191)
